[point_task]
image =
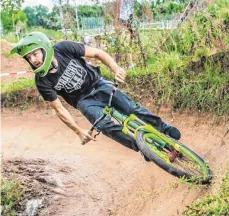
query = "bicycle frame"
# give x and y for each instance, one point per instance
(132, 124)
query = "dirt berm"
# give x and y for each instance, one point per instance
(102, 177)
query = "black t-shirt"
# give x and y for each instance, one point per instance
(74, 77)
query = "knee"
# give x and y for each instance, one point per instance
(132, 109)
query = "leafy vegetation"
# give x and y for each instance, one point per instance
(40, 16)
(18, 84)
(187, 72)
(20, 93)
(184, 69)
(52, 34)
(11, 13)
(11, 194)
(208, 205)
(168, 9)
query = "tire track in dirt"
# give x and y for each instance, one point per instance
(103, 177)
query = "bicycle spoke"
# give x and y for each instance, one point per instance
(179, 160)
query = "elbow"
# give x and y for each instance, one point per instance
(58, 107)
(100, 54)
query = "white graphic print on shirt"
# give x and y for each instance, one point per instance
(72, 78)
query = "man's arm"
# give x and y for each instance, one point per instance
(66, 117)
(106, 59)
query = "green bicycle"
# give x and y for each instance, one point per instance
(166, 152)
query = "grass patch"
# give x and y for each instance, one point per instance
(20, 93)
(11, 194)
(7, 54)
(52, 34)
(109, 75)
(16, 85)
(168, 78)
(209, 205)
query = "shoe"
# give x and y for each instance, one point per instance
(171, 131)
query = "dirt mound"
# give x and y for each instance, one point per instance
(103, 178)
(10, 64)
(199, 66)
(6, 46)
(40, 179)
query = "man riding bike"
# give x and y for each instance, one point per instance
(62, 70)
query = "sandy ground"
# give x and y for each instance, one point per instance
(10, 64)
(102, 177)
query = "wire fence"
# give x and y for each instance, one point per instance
(143, 26)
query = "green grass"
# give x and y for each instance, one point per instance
(19, 93)
(16, 85)
(7, 54)
(11, 193)
(54, 35)
(209, 205)
(168, 76)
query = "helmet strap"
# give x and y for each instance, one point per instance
(53, 66)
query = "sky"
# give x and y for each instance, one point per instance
(47, 3)
(50, 4)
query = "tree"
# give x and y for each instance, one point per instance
(146, 12)
(54, 18)
(11, 6)
(6, 21)
(68, 14)
(11, 13)
(61, 3)
(39, 16)
(90, 11)
(31, 15)
(42, 15)
(137, 7)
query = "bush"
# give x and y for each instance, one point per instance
(11, 194)
(212, 204)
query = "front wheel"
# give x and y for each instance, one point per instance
(177, 159)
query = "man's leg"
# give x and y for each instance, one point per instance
(92, 110)
(127, 106)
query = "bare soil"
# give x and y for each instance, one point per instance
(102, 177)
(13, 63)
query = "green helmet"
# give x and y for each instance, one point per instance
(31, 42)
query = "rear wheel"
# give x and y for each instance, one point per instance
(178, 159)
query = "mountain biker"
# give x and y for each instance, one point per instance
(62, 70)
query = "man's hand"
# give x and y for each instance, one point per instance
(65, 116)
(120, 75)
(85, 136)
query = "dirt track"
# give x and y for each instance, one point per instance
(103, 177)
